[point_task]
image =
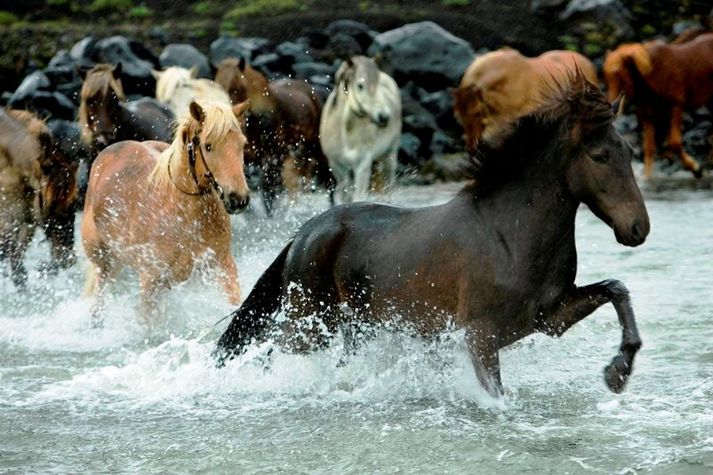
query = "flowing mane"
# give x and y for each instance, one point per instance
(569, 104)
(100, 79)
(219, 121)
(169, 80)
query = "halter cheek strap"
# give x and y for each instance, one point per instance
(208, 175)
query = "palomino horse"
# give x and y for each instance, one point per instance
(156, 207)
(361, 126)
(37, 187)
(663, 79)
(105, 117)
(502, 86)
(283, 122)
(498, 260)
(177, 87)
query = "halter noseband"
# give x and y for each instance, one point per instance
(212, 184)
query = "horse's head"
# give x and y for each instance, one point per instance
(170, 79)
(101, 96)
(472, 113)
(56, 199)
(217, 143)
(598, 169)
(619, 67)
(239, 79)
(359, 79)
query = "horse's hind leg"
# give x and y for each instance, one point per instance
(580, 303)
(272, 184)
(17, 266)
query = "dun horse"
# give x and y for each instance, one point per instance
(361, 127)
(502, 86)
(105, 117)
(177, 87)
(157, 208)
(37, 188)
(283, 123)
(498, 260)
(662, 80)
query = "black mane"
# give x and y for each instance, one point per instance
(568, 105)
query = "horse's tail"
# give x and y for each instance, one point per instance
(252, 319)
(90, 282)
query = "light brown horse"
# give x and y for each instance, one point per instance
(662, 81)
(283, 123)
(156, 207)
(501, 86)
(37, 188)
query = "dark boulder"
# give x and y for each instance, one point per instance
(47, 104)
(227, 47)
(344, 46)
(442, 144)
(83, 49)
(423, 52)
(307, 70)
(135, 71)
(185, 56)
(294, 52)
(61, 69)
(355, 29)
(29, 87)
(410, 153)
(547, 7)
(272, 65)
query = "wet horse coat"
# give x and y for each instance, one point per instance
(498, 260)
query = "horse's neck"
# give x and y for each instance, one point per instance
(175, 189)
(261, 95)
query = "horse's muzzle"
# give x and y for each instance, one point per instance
(382, 119)
(235, 203)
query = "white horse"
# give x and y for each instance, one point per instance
(361, 127)
(177, 87)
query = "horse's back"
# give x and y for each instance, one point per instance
(148, 119)
(562, 63)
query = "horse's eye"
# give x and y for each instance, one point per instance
(208, 147)
(600, 157)
(360, 86)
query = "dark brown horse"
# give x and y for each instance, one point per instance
(498, 260)
(105, 117)
(37, 188)
(282, 123)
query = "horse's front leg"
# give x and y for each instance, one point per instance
(228, 277)
(484, 354)
(649, 147)
(583, 301)
(362, 178)
(675, 142)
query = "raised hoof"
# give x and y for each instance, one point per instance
(616, 374)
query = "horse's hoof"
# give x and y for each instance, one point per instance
(616, 374)
(698, 173)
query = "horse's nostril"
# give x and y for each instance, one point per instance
(637, 230)
(383, 118)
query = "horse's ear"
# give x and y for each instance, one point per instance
(241, 64)
(194, 71)
(240, 109)
(197, 112)
(349, 62)
(378, 59)
(116, 72)
(156, 74)
(617, 106)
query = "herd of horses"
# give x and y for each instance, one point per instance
(498, 261)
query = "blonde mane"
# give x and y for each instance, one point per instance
(219, 121)
(177, 87)
(100, 79)
(168, 80)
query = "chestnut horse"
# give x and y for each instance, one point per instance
(37, 188)
(283, 122)
(498, 261)
(105, 117)
(501, 86)
(177, 87)
(156, 207)
(662, 81)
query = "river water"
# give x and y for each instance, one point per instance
(126, 399)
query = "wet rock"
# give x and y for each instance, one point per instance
(357, 30)
(272, 65)
(410, 150)
(62, 68)
(29, 87)
(227, 47)
(135, 71)
(83, 49)
(442, 144)
(295, 52)
(344, 46)
(306, 70)
(602, 23)
(185, 56)
(48, 104)
(546, 7)
(423, 52)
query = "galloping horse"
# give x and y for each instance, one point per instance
(663, 80)
(156, 207)
(177, 87)
(361, 126)
(37, 187)
(501, 86)
(283, 122)
(105, 117)
(498, 260)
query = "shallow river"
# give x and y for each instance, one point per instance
(125, 399)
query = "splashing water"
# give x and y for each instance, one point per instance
(124, 398)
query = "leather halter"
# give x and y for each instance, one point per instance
(212, 184)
